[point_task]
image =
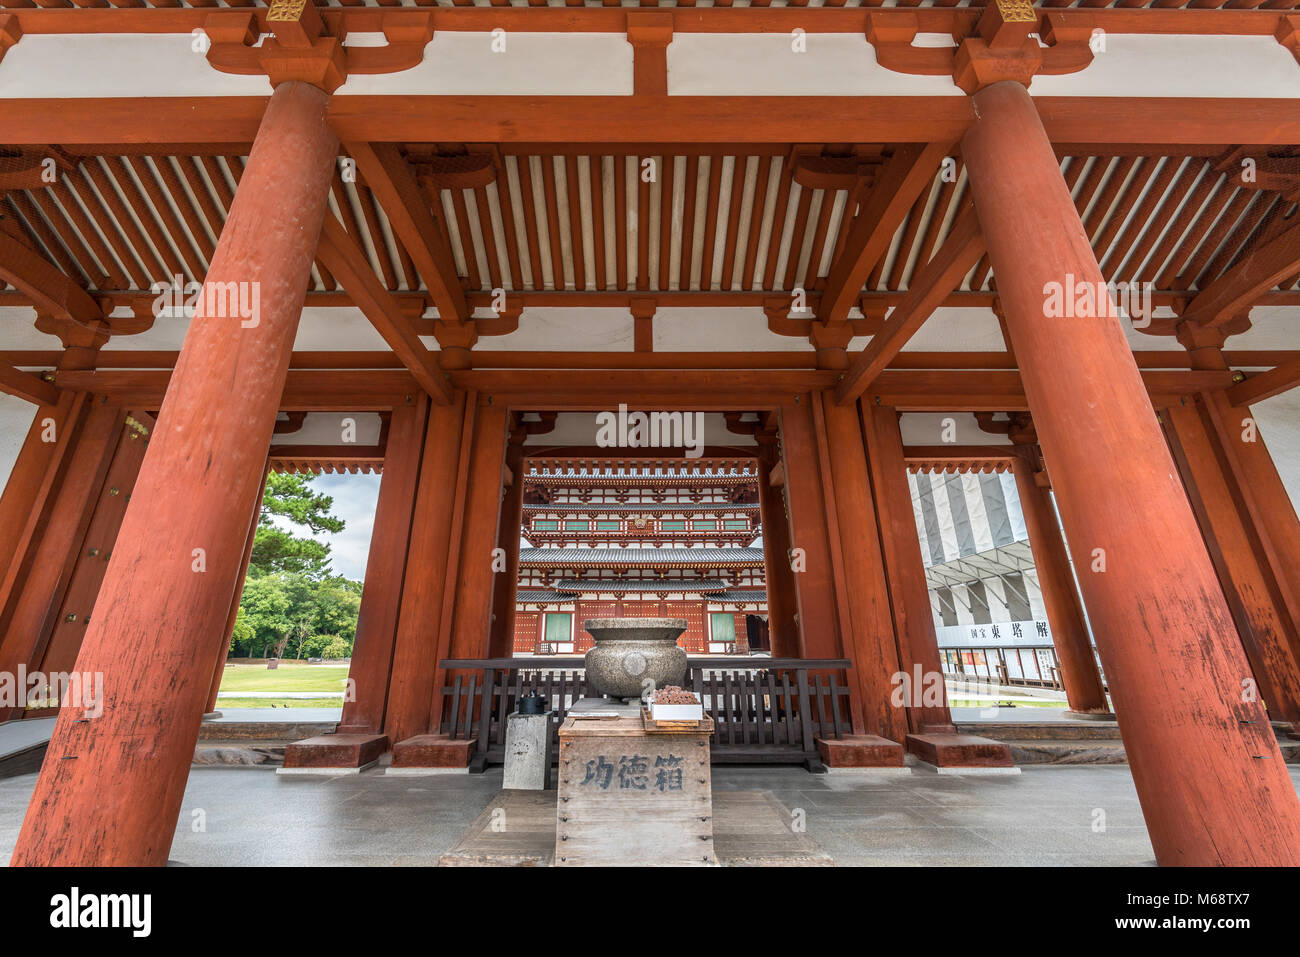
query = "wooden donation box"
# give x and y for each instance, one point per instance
(633, 793)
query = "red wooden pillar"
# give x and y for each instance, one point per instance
(386, 565)
(415, 655)
(909, 593)
(1267, 630)
(1212, 784)
(474, 575)
(869, 635)
(34, 480)
(816, 599)
(506, 581)
(111, 789)
(1083, 687)
(358, 740)
(73, 610)
(1264, 502)
(783, 630)
(465, 615)
(33, 588)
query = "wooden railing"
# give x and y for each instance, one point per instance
(765, 710)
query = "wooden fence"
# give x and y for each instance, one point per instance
(766, 710)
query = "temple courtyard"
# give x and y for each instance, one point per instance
(1043, 816)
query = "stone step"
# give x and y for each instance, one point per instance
(1042, 730)
(1099, 751)
(263, 730)
(239, 753)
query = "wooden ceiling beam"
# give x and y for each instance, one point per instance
(1265, 385)
(1253, 275)
(25, 385)
(345, 260)
(393, 182)
(928, 288)
(907, 174)
(163, 122)
(51, 291)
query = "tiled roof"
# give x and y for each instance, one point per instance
(543, 595)
(591, 508)
(638, 584)
(740, 597)
(640, 557)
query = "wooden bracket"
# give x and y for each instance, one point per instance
(11, 32)
(649, 32)
(309, 48)
(1003, 46)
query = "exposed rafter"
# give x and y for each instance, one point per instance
(390, 177)
(1255, 273)
(344, 259)
(1265, 385)
(929, 287)
(909, 171)
(51, 291)
(24, 385)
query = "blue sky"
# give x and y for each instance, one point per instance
(354, 502)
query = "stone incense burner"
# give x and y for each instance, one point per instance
(629, 651)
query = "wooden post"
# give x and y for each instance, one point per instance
(1267, 630)
(815, 594)
(33, 482)
(110, 791)
(415, 655)
(1212, 784)
(474, 574)
(909, 593)
(505, 583)
(386, 564)
(869, 636)
(72, 612)
(1082, 680)
(783, 630)
(35, 584)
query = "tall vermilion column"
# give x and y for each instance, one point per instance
(1212, 784)
(869, 633)
(783, 630)
(506, 582)
(381, 596)
(909, 592)
(111, 788)
(1079, 674)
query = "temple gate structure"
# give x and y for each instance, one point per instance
(865, 237)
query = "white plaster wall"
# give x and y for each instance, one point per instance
(600, 64)
(16, 417)
(326, 428)
(1279, 426)
(926, 428)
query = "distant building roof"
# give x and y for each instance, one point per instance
(744, 596)
(540, 595)
(592, 508)
(574, 585)
(641, 557)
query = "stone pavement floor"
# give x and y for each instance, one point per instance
(1044, 816)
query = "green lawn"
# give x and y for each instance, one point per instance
(226, 704)
(290, 676)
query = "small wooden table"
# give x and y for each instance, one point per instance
(634, 796)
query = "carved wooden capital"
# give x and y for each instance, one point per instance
(309, 48)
